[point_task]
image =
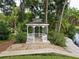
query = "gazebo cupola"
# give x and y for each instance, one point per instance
(37, 31)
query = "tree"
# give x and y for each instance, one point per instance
(51, 9)
(6, 6)
(13, 20)
(73, 16)
(21, 10)
(61, 17)
(35, 6)
(4, 31)
(59, 4)
(10, 11)
(46, 10)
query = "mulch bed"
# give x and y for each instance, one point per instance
(5, 45)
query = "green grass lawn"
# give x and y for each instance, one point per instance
(77, 27)
(45, 56)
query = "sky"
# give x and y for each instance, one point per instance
(18, 2)
(74, 3)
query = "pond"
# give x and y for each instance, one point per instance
(76, 39)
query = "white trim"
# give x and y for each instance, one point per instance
(37, 24)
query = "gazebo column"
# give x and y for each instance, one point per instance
(34, 33)
(27, 32)
(42, 29)
(43, 33)
(39, 31)
(47, 31)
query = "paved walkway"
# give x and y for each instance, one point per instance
(38, 51)
(5, 45)
(71, 47)
(70, 50)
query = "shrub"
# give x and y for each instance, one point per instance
(21, 37)
(4, 31)
(57, 38)
(21, 26)
(71, 32)
(12, 36)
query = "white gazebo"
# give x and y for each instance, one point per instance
(37, 31)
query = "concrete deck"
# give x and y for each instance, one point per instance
(70, 50)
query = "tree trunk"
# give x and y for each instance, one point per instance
(61, 17)
(46, 10)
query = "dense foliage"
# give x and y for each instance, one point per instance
(21, 37)
(56, 38)
(71, 32)
(4, 31)
(73, 16)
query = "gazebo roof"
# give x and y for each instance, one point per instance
(37, 22)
